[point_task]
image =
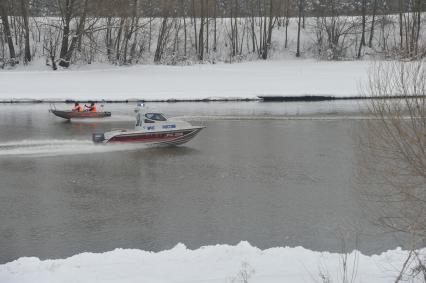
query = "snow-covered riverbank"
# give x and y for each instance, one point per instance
(221, 263)
(210, 82)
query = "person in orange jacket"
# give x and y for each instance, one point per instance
(91, 107)
(77, 107)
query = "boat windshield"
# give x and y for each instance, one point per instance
(155, 117)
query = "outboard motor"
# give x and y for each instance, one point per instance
(98, 137)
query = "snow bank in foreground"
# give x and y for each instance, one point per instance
(219, 263)
(151, 82)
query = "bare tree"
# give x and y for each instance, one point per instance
(162, 40)
(202, 27)
(332, 29)
(409, 27)
(373, 21)
(401, 28)
(131, 30)
(51, 42)
(402, 112)
(233, 33)
(269, 23)
(300, 11)
(200, 52)
(24, 11)
(215, 26)
(7, 31)
(68, 11)
(363, 24)
(286, 21)
(395, 147)
(194, 23)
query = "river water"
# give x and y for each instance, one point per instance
(273, 174)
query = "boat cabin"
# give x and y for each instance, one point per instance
(154, 117)
(149, 118)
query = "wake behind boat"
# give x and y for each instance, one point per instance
(152, 129)
(79, 115)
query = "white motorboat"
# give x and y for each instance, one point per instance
(153, 129)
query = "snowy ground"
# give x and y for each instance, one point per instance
(151, 82)
(221, 263)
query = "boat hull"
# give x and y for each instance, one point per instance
(80, 115)
(167, 138)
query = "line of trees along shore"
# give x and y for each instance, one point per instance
(185, 31)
